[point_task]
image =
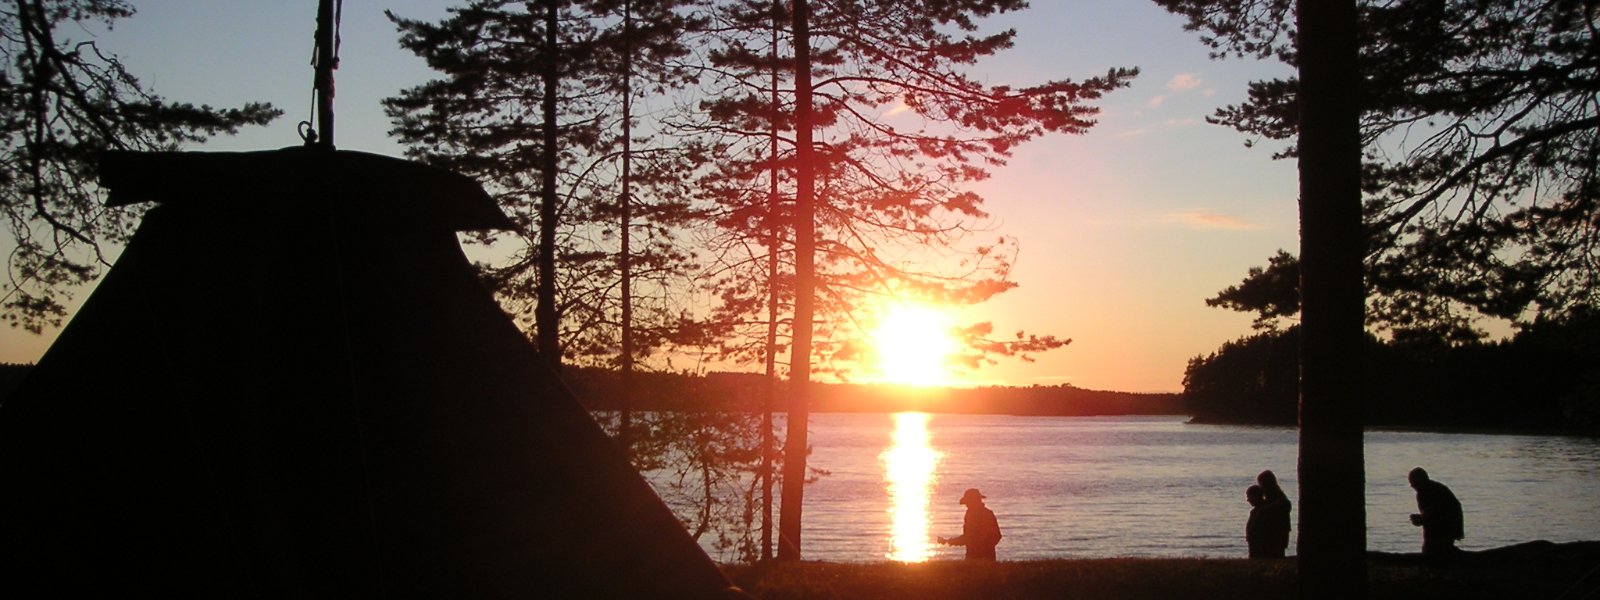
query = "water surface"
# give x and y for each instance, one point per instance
(1156, 486)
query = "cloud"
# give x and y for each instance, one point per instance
(1183, 82)
(1155, 102)
(1204, 219)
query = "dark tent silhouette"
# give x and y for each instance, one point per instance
(292, 385)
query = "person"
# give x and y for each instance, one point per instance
(980, 531)
(1274, 517)
(1255, 528)
(1439, 515)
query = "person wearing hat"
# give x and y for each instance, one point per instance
(980, 531)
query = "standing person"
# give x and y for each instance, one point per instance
(1275, 515)
(1255, 529)
(980, 531)
(1439, 515)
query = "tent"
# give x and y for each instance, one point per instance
(292, 384)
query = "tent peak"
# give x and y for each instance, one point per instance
(442, 197)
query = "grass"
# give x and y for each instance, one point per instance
(1392, 576)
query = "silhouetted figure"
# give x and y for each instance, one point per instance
(980, 531)
(1263, 533)
(1270, 518)
(1439, 515)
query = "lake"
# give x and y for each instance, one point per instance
(1081, 487)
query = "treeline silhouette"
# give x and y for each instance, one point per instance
(1544, 378)
(598, 388)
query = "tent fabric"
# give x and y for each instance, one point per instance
(292, 384)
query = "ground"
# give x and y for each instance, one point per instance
(1533, 570)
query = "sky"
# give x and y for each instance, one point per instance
(1124, 232)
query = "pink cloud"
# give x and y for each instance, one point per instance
(1201, 219)
(1183, 82)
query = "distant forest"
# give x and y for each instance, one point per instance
(744, 391)
(597, 390)
(1545, 378)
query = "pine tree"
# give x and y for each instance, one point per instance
(748, 193)
(639, 56)
(513, 110)
(865, 185)
(1332, 541)
(63, 101)
(1481, 147)
(1326, 120)
(609, 261)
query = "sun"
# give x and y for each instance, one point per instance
(913, 344)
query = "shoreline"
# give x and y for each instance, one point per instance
(1448, 429)
(1538, 569)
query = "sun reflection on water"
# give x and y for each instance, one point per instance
(909, 465)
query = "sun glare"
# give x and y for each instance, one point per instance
(909, 466)
(912, 344)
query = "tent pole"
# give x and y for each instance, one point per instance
(325, 63)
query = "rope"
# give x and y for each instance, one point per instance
(307, 129)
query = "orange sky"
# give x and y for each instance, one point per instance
(1124, 232)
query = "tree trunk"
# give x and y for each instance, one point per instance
(1332, 546)
(625, 256)
(795, 446)
(774, 247)
(546, 320)
(767, 442)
